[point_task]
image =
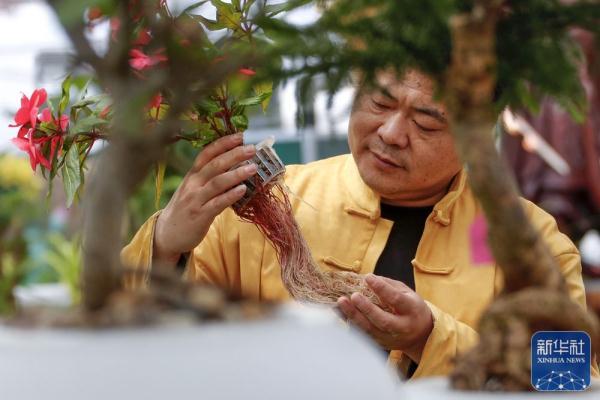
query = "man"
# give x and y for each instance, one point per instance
(401, 198)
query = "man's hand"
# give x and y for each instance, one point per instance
(406, 328)
(207, 189)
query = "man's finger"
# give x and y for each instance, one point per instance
(221, 202)
(397, 284)
(355, 316)
(225, 162)
(216, 148)
(226, 181)
(382, 320)
(394, 296)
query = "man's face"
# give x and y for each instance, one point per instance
(401, 142)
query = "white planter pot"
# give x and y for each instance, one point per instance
(439, 388)
(43, 294)
(297, 355)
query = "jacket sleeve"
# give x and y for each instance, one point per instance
(205, 264)
(208, 263)
(137, 255)
(448, 338)
(451, 337)
(567, 256)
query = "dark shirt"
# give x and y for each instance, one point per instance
(395, 259)
(401, 247)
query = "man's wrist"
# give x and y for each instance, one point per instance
(416, 351)
(163, 256)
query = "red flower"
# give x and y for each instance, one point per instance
(155, 101)
(247, 71)
(104, 113)
(33, 146)
(141, 61)
(29, 108)
(32, 141)
(61, 123)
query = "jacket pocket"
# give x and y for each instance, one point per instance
(334, 262)
(430, 269)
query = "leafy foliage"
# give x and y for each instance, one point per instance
(64, 257)
(64, 133)
(535, 54)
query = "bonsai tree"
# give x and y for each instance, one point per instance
(484, 55)
(164, 78)
(169, 79)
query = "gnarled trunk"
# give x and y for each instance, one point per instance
(535, 295)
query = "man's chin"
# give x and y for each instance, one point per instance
(384, 186)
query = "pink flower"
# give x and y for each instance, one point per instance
(61, 123)
(33, 141)
(30, 108)
(247, 71)
(141, 61)
(33, 147)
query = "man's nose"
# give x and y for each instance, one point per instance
(394, 130)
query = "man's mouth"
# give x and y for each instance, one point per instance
(386, 160)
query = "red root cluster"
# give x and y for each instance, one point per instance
(271, 211)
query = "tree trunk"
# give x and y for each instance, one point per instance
(535, 295)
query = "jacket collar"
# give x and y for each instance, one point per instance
(361, 200)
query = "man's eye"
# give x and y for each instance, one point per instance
(380, 106)
(424, 128)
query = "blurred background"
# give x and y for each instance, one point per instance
(38, 241)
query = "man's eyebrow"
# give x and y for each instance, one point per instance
(432, 112)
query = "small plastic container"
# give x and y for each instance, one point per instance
(270, 167)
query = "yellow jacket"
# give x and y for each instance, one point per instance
(340, 218)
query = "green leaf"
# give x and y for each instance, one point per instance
(71, 174)
(205, 131)
(71, 12)
(86, 124)
(254, 100)
(209, 24)
(82, 86)
(575, 106)
(159, 179)
(86, 101)
(240, 122)
(208, 107)
(163, 109)
(264, 89)
(227, 15)
(65, 95)
(50, 187)
(64, 257)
